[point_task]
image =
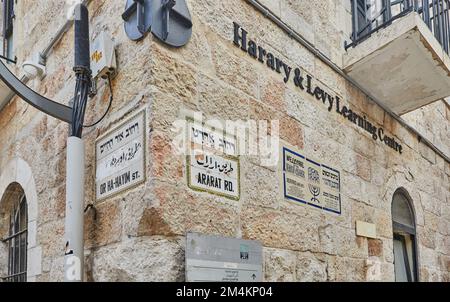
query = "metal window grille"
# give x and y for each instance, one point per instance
(8, 27)
(370, 16)
(8, 17)
(17, 243)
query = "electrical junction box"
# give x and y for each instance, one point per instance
(103, 57)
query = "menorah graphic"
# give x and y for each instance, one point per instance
(315, 191)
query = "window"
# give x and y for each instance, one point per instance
(8, 28)
(370, 14)
(16, 240)
(404, 226)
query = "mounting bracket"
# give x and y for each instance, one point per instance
(172, 22)
(168, 20)
(38, 101)
(138, 18)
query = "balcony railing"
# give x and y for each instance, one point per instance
(370, 16)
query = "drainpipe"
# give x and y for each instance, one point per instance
(58, 36)
(296, 36)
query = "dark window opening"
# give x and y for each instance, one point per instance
(404, 226)
(16, 242)
(370, 16)
(8, 28)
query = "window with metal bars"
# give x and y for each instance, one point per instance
(8, 17)
(16, 242)
(370, 16)
(8, 27)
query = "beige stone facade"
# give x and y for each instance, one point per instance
(139, 235)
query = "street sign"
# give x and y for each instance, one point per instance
(219, 259)
(214, 165)
(120, 158)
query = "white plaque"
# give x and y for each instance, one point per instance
(309, 182)
(213, 165)
(214, 174)
(120, 157)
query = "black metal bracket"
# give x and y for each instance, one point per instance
(92, 207)
(138, 18)
(172, 23)
(169, 20)
(167, 7)
(137, 7)
(9, 60)
(38, 101)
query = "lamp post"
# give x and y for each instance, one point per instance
(74, 225)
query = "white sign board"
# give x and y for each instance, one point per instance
(309, 182)
(205, 138)
(213, 166)
(217, 174)
(220, 259)
(120, 158)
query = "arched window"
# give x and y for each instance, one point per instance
(404, 226)
(14, 228)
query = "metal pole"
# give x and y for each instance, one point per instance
(74, 256)
(74, 260)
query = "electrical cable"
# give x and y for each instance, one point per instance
(111, 98)
(80, 101)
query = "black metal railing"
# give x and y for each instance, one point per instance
(370, 16)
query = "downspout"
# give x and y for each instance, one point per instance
(59, 34)
(296, 36)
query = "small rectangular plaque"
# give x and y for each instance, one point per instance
(120, 157)
(213, 165)
(309, 182)
(365, 229)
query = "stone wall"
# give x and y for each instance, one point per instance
(139, 235)
(432, 122)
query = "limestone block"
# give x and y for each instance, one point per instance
(427, 153)
(145, 259)
(172, 76)
(291, 16)
(260, 186)
(311, 268)
(51, 238)
(3, 259)
(350, 270)
(106, 228)
(279, 230)
(235, 70)
(428, 257)
(279, 265)
(217, 100)
(375, 248)
(182, 210)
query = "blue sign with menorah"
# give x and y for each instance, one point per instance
(308, 182)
